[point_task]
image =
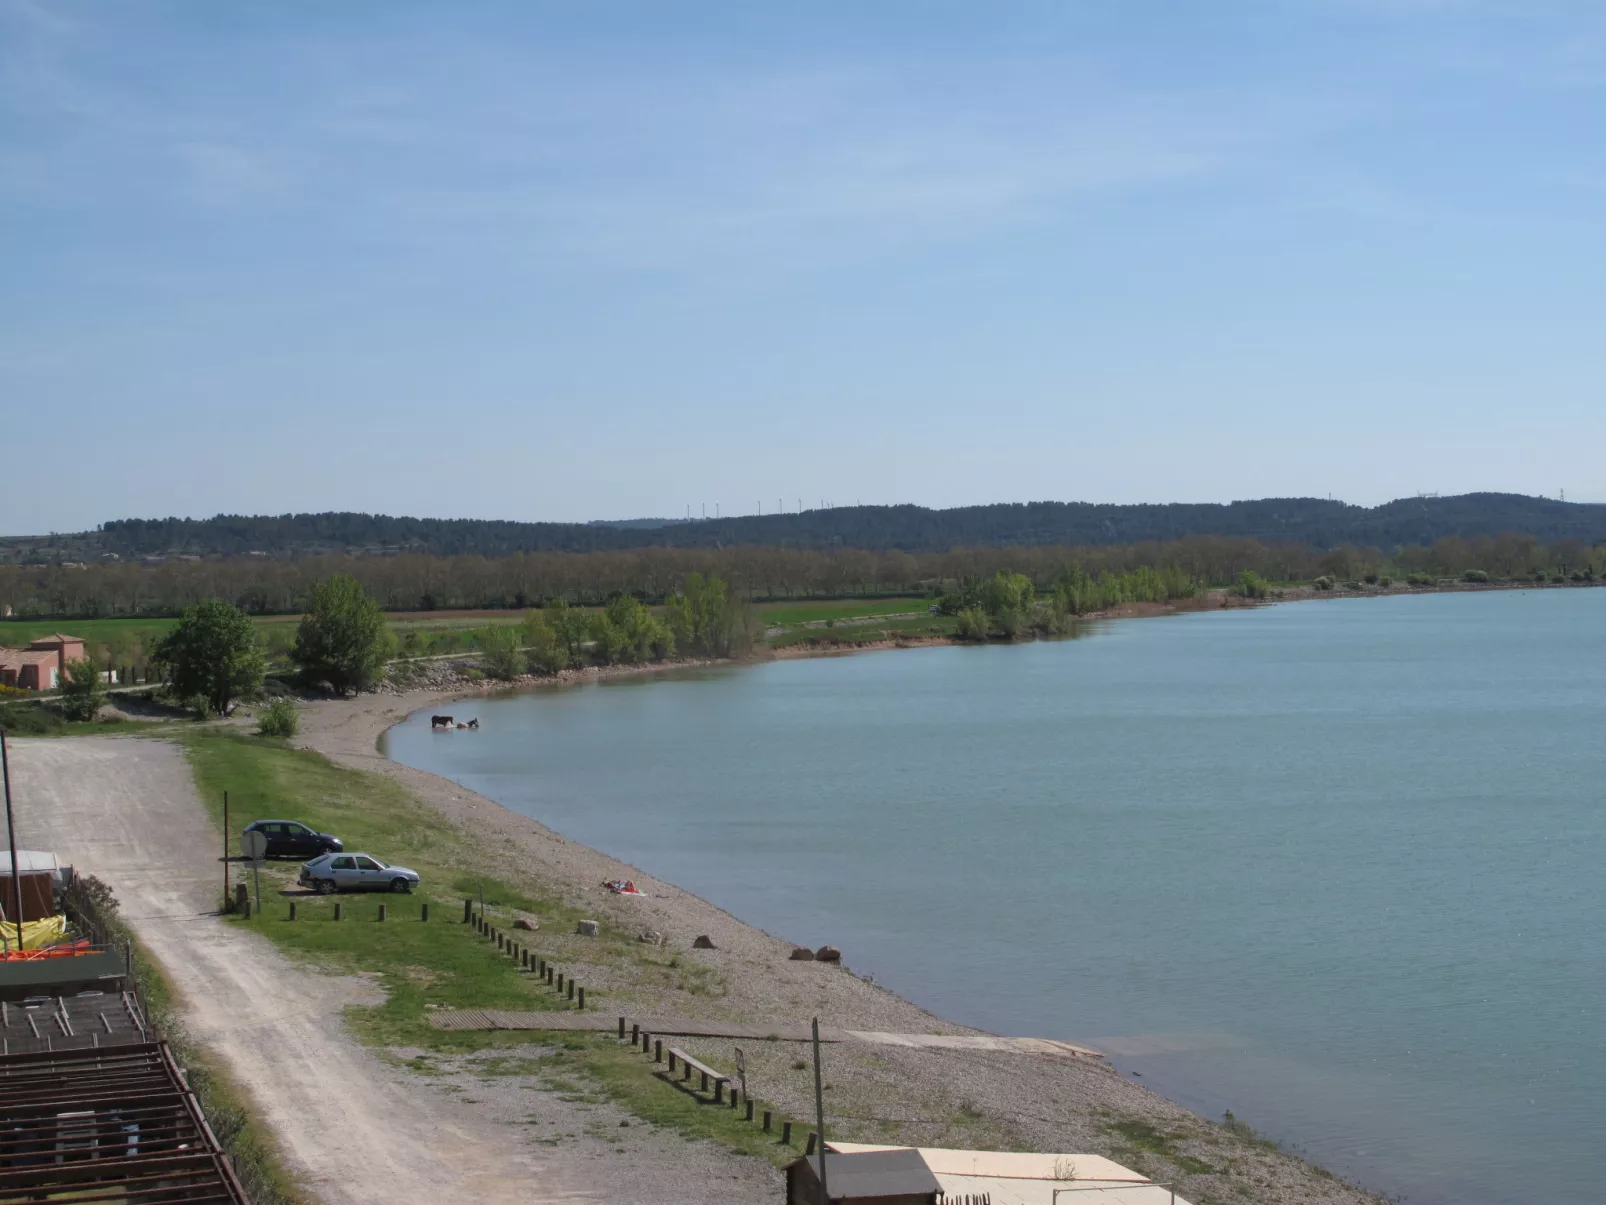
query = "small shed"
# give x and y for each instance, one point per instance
(42, 875)
(889, 1177)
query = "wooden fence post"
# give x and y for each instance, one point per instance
(292, 910)
(468, 911)
(425, 915)
(337, 909)
(381, 912)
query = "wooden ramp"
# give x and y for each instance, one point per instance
(973, 1041)
(598, 1022)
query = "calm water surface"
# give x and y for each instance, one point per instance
(1339, 866)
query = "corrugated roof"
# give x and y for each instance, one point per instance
(55, 638)
(32, 861)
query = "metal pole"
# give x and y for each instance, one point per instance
(11, 836)
(819, 1112)
(225, 851)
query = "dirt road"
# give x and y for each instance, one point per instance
(351, 1128)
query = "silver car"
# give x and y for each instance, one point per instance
(332, 872)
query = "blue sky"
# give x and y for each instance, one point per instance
(567, 261)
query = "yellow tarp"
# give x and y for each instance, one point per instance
(36, 934)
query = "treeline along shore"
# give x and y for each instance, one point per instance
(407, 582)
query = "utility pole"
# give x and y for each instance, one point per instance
(11, 837)
(819, 1112)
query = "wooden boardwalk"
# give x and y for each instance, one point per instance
(597, 1022)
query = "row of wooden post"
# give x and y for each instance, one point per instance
(245, 910)
(546, 971)
(655, 1047)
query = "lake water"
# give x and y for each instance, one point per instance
(1338, 866)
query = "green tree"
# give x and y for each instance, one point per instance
(501, 650)
(541, 647)
(1009, 599)
(609, 643)
(213, 654)
(82, 693)
(571, 630)
(705, 620)
(342, 639)
(634, 632)
(972, 624)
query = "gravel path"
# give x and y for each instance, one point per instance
(943, 1097)
(352, 1127)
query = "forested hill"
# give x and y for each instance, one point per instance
(1312, 522)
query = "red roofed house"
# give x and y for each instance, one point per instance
(42, 665)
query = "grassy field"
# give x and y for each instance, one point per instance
(15, 632)
(443, 962)
(791, 613)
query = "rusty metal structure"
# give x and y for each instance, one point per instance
(104, 1123)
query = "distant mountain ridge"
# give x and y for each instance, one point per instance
(1314, 522)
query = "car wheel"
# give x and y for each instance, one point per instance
(325, 886)
(400, 885)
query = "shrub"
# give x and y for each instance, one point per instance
(1475, 575)
(542, 650)
(1385, 582)
(1370, 579)
(1252, 585)
(972, 624)
(501, 651)
(1323, 583)
(83, 693)
(28, 719)
(279, 718)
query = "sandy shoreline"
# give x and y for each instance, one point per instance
(996, 1099)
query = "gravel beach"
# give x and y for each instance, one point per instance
(875, 1093)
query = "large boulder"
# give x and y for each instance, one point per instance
(525, 922)
(828, 954)
(802, 954)
(586, 928)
